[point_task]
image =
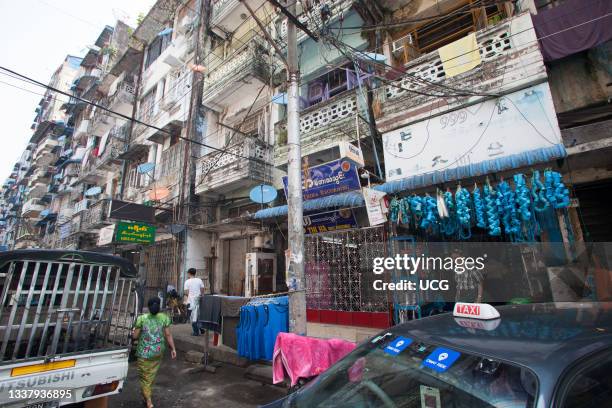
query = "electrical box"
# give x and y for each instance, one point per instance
(260, 276)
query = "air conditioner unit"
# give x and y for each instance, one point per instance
(398, 45)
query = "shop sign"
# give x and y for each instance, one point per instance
(351, 152)
(375, 206)
(518, 123)
(106, 235)
(338, 176)
(134, 233)
(329, 221)
(124, 210)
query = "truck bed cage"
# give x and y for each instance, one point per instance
(56, 302)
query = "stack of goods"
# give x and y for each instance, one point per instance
(260, 322)
(511, 209)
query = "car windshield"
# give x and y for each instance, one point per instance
(399, 372)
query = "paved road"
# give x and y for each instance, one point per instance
(175, 386)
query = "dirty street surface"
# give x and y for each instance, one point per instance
(177, 386)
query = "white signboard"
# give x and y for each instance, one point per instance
(375, 206)
(351, 152)
(106, 235)
(516, 123)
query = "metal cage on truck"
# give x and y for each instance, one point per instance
(64, 302)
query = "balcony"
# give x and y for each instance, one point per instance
(223, 173)
(65, 215)
(510, 60)
(313, 18)
(82, 129)
(45, 147)
(38, 190)
(227, 15)
(101, 122)
(95, 216)
(32, 208)
(41, 175)
(115, 146)
(242, 73)
(122, 100)
(322, 126)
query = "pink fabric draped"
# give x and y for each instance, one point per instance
(303, 357)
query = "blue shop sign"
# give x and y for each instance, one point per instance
(329, 221)
(441, 359)
(338, 176)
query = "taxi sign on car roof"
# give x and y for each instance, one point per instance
(482, 311)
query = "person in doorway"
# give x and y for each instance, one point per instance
(194, 289)
(152, 330)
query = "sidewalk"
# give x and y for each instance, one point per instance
(187, 343)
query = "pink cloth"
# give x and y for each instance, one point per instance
(303, 357)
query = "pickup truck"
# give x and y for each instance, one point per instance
(65, 324)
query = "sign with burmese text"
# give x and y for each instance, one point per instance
(335, 177)
(134, 233)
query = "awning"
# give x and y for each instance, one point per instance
(573, 26)
(355, 199)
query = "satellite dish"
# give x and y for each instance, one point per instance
(263, 194)
(158, 193)
(145, 168)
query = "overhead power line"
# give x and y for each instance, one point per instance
(98, 106)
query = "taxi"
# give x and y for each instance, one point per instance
(536, 355)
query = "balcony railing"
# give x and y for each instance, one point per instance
(228, 171)
(123, 98)
(114, 147)
(95, 215)
(321, 126)
(248, 61)
(32, 208)
(510, 59)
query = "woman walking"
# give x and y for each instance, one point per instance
(152, 332)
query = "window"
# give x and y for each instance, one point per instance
(590, 385)
(330, 84)
(156, 47)
(433, 35)
(147, 105)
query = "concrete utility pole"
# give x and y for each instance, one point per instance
(296, 281)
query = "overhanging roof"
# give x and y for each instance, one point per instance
(355, 199)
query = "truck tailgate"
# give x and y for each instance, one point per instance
(78, 373)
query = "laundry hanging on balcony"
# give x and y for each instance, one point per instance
(460, 56)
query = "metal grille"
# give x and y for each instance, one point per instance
(162, 261)
(339, 270)
(52, 307)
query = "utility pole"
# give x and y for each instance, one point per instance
(296, 281)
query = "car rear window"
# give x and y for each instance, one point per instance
(418, 375)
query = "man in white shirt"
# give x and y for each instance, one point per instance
(194, 289)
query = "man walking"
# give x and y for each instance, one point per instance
(194, 289)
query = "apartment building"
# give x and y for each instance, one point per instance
(433, 93)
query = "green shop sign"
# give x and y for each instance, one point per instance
(134, 233)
